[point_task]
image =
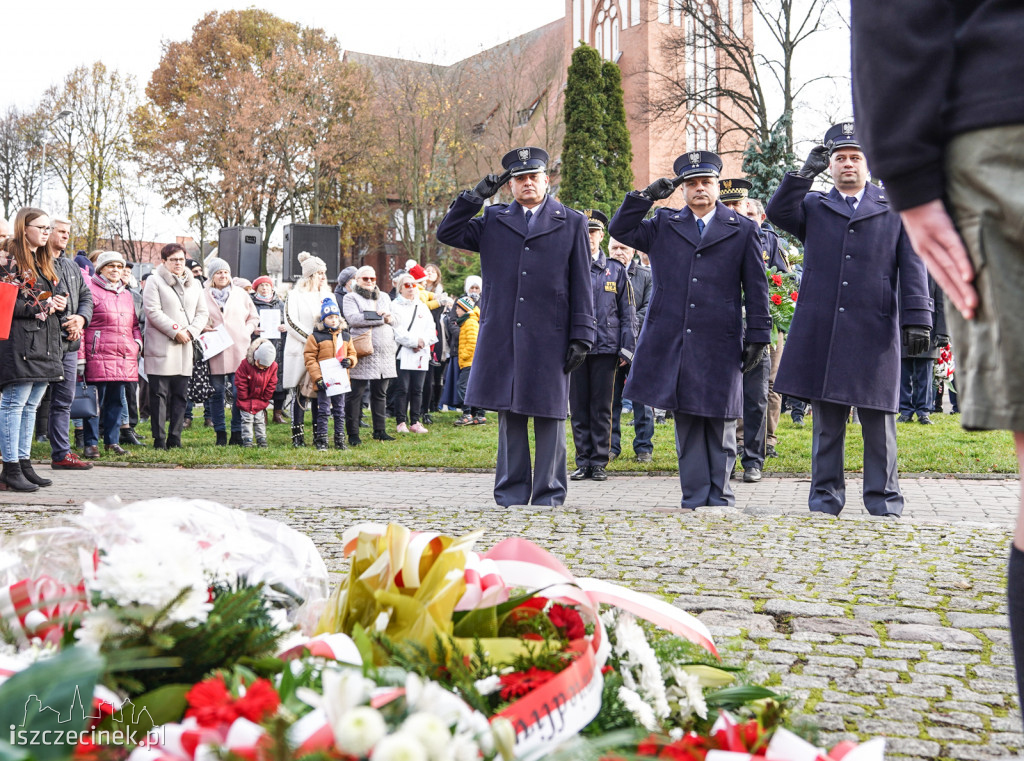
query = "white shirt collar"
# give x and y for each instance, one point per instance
(707, 217)
(858, 196)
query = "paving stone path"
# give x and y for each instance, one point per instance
(875, 626)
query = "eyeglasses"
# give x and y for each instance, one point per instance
(115, 265)
(176, 260)
(408, 285)
(369, 279)
(44, 229)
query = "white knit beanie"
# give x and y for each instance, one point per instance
(311, 264)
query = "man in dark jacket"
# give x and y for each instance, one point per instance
(643, 416)
(917, 370)
(937, 87)
(592, 385)
(844, 341)
(706, 262)
(73, 322)
(536, 323)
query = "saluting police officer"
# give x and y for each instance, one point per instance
(592, 386)
(752, 429)
(692, 351)
(536, 322)
(844, 342)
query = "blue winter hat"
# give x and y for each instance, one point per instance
(329, 307)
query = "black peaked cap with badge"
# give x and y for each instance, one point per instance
(840, 136)
(527, 160)
(734, 190)
(596, 220)
(698, 164)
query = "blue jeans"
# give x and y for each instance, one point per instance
(18, 404)
(111, 395)
(643, 419)
(62, 394)
(217, 403)
(916, 386)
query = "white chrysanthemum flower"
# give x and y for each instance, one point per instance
(488, 685)
(359, 730)
(97, 626)
(687, 694)
(432, 733)
(399, 747)
(642, 712)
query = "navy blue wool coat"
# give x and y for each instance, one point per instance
(689, 355)
(537, 297)
(844, 342)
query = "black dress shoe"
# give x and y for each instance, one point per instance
(128, 436)
(924, 419)
(580, 473)
(382, 436)
(751, 475)
(904, 418)
(115, 448)
(599, 473)
(770, 451)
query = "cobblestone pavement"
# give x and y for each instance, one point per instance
(877, 627)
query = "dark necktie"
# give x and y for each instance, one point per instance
(851, 201)
(700, 227)
(529, 218)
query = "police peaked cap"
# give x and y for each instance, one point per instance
(733, 190)
(841, 136)
(698, 164)
(596, 220)
(525, 161)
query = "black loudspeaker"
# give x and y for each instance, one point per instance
(323, 241)
(240, 248)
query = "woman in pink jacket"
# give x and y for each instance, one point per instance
(231, 307)
(112, 344)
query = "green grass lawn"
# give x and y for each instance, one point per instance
(940, 448)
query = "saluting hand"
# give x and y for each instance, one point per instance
(661, 188)
(817, 162)
(491, 184)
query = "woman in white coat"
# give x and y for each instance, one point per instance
(415, 333)
(302, 308)
(229, 305)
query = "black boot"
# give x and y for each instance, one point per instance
(31, 475)
(79, 438)
(14, 479)
(320, 442)
(382, 436)
(129, 437)
(236, 439)
(222, 438)
(339, 440)
(298, 435)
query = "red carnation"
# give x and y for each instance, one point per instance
(519, 683)
(776, 299)
(210, 703)
(260, 701)
(568, 621)
(793, 295)
(777, 278)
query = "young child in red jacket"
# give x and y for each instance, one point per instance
(255, 382)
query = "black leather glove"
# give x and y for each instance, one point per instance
(346, 363)
(661, 188)
(320, 385)
(491, 184)
(916, 339)
(752, 355)
(817, 162)
(575, 355)
(940, 341)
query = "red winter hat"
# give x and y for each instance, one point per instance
(261, 280)
(418, 273)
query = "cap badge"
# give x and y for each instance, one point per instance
(727, 184)
(695, 157)
(524, 154)
(847, 128)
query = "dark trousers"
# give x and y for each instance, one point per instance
(706, 450)
(43, 414)
(435, 382)
(591, 390)
(109, 421)
(643, 419)
(463, 385)
(378, 400)
(131, 393)
(280, 394)
(828, 483)
(796, 407)
(751, 438)
(168, 400)
(143, 399)
(916, 386)
(223, 387)
(328, 407)
(514, 483)
(58, 422)
(409, 395)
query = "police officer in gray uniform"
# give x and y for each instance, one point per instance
(844, 342)
(706, 263)
(536, 319)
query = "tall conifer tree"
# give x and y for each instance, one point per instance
(618, 165)
(583, 150)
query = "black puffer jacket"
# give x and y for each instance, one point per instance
(33, 353)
